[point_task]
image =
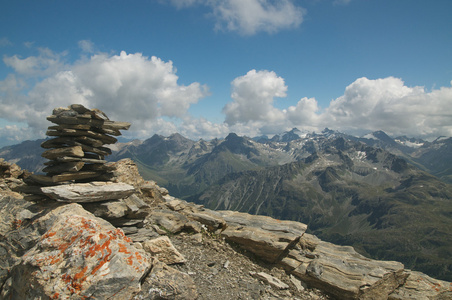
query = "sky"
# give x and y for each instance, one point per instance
(205, 68)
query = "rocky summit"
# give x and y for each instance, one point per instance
(122, 237)
(150, 245)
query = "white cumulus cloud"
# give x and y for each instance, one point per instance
(367, 105)
(388, 104)
(253, 95)
(127, 87)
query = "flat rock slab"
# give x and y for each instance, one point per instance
(343, 272)
(89, 192)
(266, 237)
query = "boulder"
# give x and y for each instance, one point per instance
(266, 237)
(79, 256)
(88, 192)
(137, 208)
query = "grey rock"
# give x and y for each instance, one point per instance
(113, 209)
(137, 208)
(211, 219)
(89, 192)
(266, 237)
(142, 235)
(75, 151)
(165, 282)
(170, 221)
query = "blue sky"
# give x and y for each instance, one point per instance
(205, 68)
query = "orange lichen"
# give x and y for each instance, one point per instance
(17, 224)
(123, 248)
(130, 260)
(47, 235)
(138, 255)
(83, 238)
(81, 274)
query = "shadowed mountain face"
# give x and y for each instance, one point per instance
(372, 192)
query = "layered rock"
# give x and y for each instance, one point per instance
(336, 270)
(77, 150)
(266, 237)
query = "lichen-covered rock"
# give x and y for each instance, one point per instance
(80, 256)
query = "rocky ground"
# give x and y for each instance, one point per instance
(221, 272)
(151, 245)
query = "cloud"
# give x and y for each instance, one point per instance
(145, 91)
(127, 87)
(304, 114)
(45, 63)
(253, 95)
(367, 105)
(86, 46)
(13, 134)
(248, 17)
(388, 104)
(5, 42)
(185, 3)
(196, 128)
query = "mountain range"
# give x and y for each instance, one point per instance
(388, 197)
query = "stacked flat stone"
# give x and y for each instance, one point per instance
(77, 150)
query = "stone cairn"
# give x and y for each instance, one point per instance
(77, 151)
(77, 171)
